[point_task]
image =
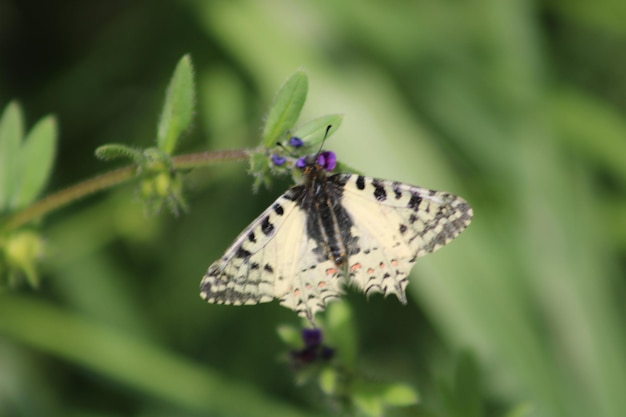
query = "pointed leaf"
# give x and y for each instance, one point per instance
(341, 333)
(286, 108)
(329, 380)
(290, 335)
(400, 395)
(314, 132)
(36, 158)
(11, 131)
(369, 404)
(178, 108)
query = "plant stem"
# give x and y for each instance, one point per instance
(110, 179)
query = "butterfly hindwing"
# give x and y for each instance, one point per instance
(395, 224)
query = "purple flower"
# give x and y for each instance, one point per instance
(327, 353)
(312, 337)
(313, 349)
(295, 142)
(301, 162)
(327, 160)
(278, 160)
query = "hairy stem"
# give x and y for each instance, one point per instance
(110, 179)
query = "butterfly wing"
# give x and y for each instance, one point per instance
(395, 224)
(274, 258)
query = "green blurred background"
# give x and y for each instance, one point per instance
(517, 106)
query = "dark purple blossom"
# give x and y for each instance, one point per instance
(301, 162)
(278, 160)
(312, 337)
(313, 349)
(327, 160)
(295, 142)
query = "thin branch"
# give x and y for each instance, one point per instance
(110, 179)
(202, 159)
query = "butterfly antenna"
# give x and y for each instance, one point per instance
(319, 151)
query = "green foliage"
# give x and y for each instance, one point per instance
(20, 253)
(178, 109)
(25, 167)
(25, 163)
(333, 365)
(35, 162)
(286, 108)
(112, 151)
(279, 126)
(160, 184)
(314, 132)
(11, 131)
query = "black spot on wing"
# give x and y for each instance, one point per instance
(415, 201)
(251, 237)
(360, 182)
(397, 192)
(379, 190)
(242, 253)
(266, 226)
(403, 229)
(268, 268)
(278, 209)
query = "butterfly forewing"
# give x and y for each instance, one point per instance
(247, 272)
(274, 258)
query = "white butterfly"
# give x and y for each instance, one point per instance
(332, 230)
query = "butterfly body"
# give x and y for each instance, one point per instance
(330, 231)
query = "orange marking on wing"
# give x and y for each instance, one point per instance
(296, 292)
(394, 262)
(382, 265)
(370, 270)
(355, 267)
(331, 271)
(321, 284)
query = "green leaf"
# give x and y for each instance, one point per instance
(328, 380)
(314, 132)
(36, 158)
(11, 131)
(290, 335)
(112, 151)
(178, 108)
(370, 404)
(341, 333)
(286, 108)
(400, 395)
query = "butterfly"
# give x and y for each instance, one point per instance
(332, 230)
